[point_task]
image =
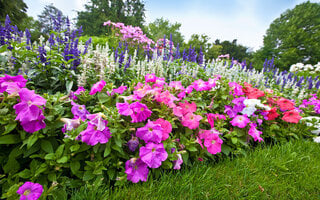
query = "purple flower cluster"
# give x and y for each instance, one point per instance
(139, 112)
(313, 101)
(30, 111)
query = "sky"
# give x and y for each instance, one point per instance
(244, 20)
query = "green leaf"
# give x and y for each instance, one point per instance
(31, 140)
(64, 159)
(10, 139)
(102, 97)
(59, 151)
(88, 176)
(8, 128)
(59, 194)
(49, 156)
(52, 177)
(192, 148)
(69, 85)
(107, 150)
(234, 140)
(46, 146)
(25, 174)
(225, 149)
(75, 166)
(74, 147)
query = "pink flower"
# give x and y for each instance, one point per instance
(140, 112)
(211, 140)
(188, 107)
(176, 84)
(166, 128)
(136, 170)
(291, 116)
(79, 111)
(166, 98)
(240, 121)
(254, 132)
(98, 121)
(150, 78)
(92, 135)
(12, 84)
(191, 120)
(153, 154)
(177, 163)
(70, 124)
(30, 191)
(77, 92)
(97, 87)
(124, 109)
(151, 132)
(29, 112)
(200, 85)
(236, 89)
(160, 82)
(140, 92)
(211, 117)
(119, 90)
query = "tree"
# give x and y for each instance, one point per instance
(293, 37)
(129, 12)
(50, 18)
(15, 9)
(161, 27)
(235, 50)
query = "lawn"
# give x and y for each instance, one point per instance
(282, 171)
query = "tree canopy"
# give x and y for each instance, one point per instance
(161, 27)
(15, 9)
(293, 37)
(50, 18)
(129, 12)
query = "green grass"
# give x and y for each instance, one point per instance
(287, 171)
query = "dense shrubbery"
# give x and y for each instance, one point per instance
(130, 118)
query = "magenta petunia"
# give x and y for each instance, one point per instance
(119, 90)
(98, 121)
(166, 127)
(167, 98)
(191, 120)
(211, 140)
(200, 85)
(229, 111)
(153, 154)
(236, 89)
(136, 170)
(97, 87)
(30, 191)
(34, 125)
(70, 124)
(124, 109)
(151, 132)
(140, 112)
(177, 85)
(92, 136)
(77, 92)
(240, 121)
(79, 111)
(150, 78)
(211, 117)
(12, 84)
(177, 163)
(254, 132)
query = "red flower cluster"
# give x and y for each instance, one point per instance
(252, 93)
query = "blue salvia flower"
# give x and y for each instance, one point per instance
(127, 64)
(177, 54)
(200, 57)
(300, 81)
(116, 54)
(121, 59)
(264, 64)
(184, 55)
(42, 54)
(170, 49)
(87, 45)
(310, 85)
(51, 40)
(28, 36)
(318, 85)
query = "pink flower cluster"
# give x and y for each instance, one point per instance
(185, 111)
(12, 84)
(139, 112)
(135, 34)
(30, 191)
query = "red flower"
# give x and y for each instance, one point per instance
(252, 93)
(272, 114)
(291, 116)
(285, 104)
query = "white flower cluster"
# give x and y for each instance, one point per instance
(300, 67)
(251, 105)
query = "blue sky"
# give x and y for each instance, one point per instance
(244, 20)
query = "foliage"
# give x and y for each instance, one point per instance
(51, 18)
(15, 9)
(236, 51)
(162, 27)
(293, 37)
(98, 11)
